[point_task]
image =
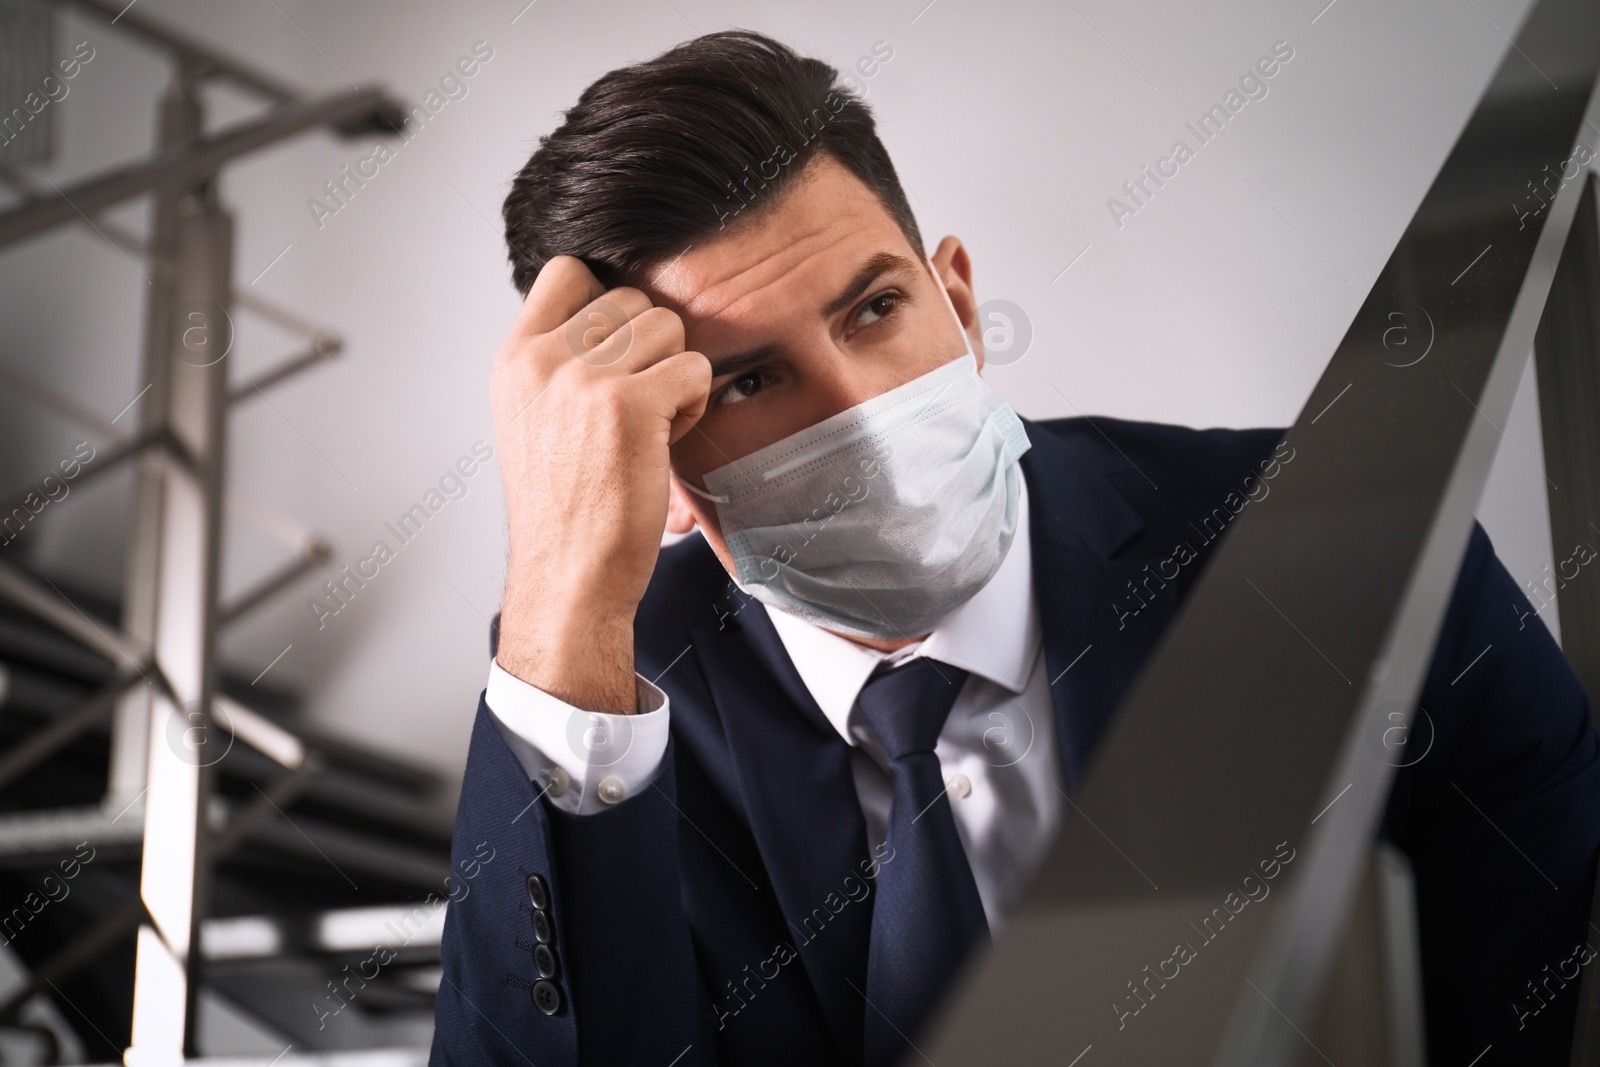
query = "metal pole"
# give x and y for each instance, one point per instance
(173, 880)
(178, 122)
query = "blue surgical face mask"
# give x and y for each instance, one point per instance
(882, 520)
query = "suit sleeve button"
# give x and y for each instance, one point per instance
(546, 997)
(544, 958)
(538, 891)
(543, 932)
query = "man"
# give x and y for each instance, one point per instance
(764, 820)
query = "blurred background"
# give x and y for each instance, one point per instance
(1216, 301)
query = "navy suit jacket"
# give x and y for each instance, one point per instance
(717, 916)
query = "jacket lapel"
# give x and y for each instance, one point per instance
(1078, 520)
(794, 774)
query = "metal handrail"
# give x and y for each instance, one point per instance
(189, 51)
(1242, 738)
(185, 163)
(174, 575)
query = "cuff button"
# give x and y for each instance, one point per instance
(546, 997)
(543, 932)
(538, 891)
(544, 958)
(611, 790)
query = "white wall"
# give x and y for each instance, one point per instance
(1011, 124)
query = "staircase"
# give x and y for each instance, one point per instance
(358, 859)
(187, 867)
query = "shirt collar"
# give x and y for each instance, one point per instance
(995, 635)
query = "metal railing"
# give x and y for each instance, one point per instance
(165, 649)
(1239, 734)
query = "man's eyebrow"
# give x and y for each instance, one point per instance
(880, 264)
(734, 364)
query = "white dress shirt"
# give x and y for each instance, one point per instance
(997, 750)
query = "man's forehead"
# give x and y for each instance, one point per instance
(801, 249)
(707, 282)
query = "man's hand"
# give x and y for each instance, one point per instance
(588, 390)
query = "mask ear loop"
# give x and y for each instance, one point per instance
(966, 341)
(699, 492)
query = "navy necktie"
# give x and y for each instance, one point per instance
(928, 913)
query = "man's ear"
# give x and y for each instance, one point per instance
(680, 517)
(954, 266)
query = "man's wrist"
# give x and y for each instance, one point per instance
(578, 657)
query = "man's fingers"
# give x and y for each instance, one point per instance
(564, 286)
(646, 338)
(603, 332)
(682, 382)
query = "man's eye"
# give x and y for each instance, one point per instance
(878, 308)
(741, 388)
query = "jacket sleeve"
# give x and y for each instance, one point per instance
(624, 988)
(1498, 807)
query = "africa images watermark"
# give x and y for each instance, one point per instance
(1582, 553)
(13, 924)
(52, 90)
(342, 189)
(409, 926)
(1582, 155)
(55, 488)
(811, 127)
(855, 889)
(1581, 956)
(1255, 490)
(1252, 85)
(453, 485)
(851, 490)
(1254, 889)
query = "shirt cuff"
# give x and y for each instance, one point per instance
(584, 761)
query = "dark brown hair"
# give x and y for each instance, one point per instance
(678, 149)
